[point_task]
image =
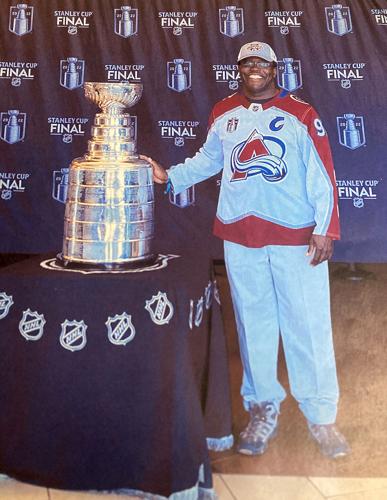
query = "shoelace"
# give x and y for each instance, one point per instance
(330, 433)
(260, 426)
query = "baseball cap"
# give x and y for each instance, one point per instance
(257, 49)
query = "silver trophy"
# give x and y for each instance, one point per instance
(110, 200)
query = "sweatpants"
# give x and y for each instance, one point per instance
(275, 291)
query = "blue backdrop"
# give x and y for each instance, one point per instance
(330, 54)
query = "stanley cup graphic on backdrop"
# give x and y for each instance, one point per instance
(109, 208)
(339, 23)
(289, 77)
(231, 25)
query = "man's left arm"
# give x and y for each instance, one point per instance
(321, 188)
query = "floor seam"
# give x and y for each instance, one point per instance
(316, 487)
(227, 487)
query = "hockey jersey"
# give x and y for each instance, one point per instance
(278, 183)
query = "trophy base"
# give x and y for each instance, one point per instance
(105, 266)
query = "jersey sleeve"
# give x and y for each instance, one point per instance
(320, 176)
(207, 162)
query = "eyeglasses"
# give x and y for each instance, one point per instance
(258, 64)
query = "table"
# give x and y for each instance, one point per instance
(112, 381)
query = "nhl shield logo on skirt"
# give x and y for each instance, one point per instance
(120, 329)
(73, 335)
(6, 302)
(160, 308)
(31, 325)
(199, 312)
(208, 295)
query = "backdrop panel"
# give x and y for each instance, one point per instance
(330, 54)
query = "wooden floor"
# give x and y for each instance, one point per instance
(292, 468)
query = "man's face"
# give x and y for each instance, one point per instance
(258, 82)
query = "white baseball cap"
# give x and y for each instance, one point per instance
(257, 49)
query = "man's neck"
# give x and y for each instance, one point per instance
(266, 96)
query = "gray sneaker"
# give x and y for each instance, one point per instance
(330, 441)
(262, 427)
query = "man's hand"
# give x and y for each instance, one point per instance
(159, 173)
(321, 247)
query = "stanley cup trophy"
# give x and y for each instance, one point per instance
(109, 208)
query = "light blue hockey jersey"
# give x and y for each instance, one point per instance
(278, 184)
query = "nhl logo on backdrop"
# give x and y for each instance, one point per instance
(231, 21)
(6, 194)
(179, 75)
(72, 73)
(60, 184)
(338, 19)
(21, 19)
(227, 73)
(350, 129)
(6, 302)
(31, 325)
(13, 126)
(72, 20)
(125, 21)
(73, 335)
(358, 202)
(120, 329)
(289, 75)
(160, 308)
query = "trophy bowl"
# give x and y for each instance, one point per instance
(113, 95)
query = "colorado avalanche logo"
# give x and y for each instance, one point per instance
(259, 154)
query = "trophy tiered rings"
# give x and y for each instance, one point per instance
(109, 208)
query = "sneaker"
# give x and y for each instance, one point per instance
(262, 427)
(330, 441)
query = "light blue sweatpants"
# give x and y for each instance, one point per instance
(276, 291)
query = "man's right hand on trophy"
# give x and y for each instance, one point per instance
(160, 175)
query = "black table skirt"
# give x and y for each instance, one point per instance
(107, 415)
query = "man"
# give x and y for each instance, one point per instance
(277, 214)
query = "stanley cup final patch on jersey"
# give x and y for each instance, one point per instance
(259, 155)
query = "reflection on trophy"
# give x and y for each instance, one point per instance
(109, 208)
